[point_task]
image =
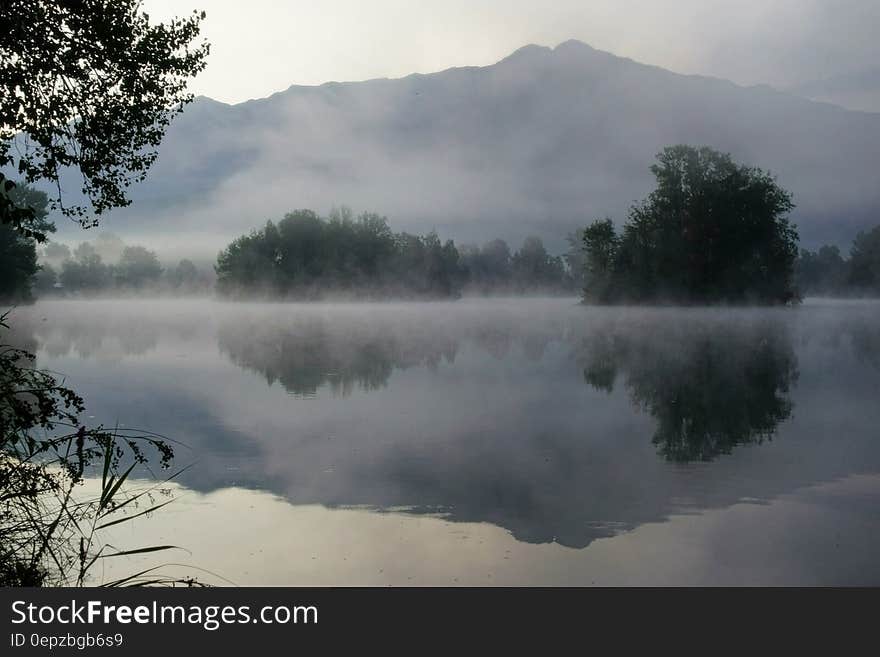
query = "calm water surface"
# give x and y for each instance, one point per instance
(494, 442)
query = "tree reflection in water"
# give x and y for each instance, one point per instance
(306, 355)
(710, 384)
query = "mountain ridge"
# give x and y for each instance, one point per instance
(541, 142)
(859, 90)
(570, 44)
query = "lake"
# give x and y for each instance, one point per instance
(502, 441)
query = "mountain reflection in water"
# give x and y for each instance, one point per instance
(555, 422)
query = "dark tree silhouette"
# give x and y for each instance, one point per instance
(827, 272)
(600, 245)
(711, 231)
(489, 267)
(864, 272)
(18, 253)
(305, 255)
(821, 272)
(89, 85)
(535, 269)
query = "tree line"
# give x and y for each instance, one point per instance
(826, 272)
(107, 265)
(103, 265)
(715, 231)
(87, 86)
(712, 231)
(305, 255)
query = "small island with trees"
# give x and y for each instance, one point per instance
(712, 231)
(306, 256)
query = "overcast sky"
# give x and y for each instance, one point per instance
(263, 46)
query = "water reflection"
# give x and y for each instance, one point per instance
(304, 355)
(92, 329)
(344, 351)
(710, 385)
(865, 336)
(816, 536)
(541, 418)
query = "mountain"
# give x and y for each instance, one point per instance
(541, 142)
(856, 91)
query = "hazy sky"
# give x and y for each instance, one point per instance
(263, 46)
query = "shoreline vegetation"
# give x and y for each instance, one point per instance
(88, 87)
(51, 534)
(107, 267)
(306, 256)
(712, 232)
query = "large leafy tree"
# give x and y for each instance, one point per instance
(88, 85)
(712, 230)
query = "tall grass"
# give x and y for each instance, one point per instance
(52, 531)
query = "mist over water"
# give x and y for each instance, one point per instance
(585, 444)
